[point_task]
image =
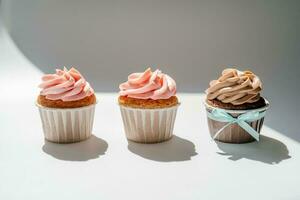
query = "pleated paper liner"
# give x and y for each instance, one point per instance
(234, 133)
(67, 125)
(148, 125)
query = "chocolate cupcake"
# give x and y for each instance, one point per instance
(235, 108)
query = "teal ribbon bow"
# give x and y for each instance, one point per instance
(222, 116)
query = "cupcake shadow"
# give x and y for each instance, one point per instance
(91, 148)
(268, 150)
(175, 149)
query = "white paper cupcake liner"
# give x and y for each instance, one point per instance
(234, 133)
(67, 125)
(148, 125)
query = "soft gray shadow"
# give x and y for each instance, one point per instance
(267, 150)
(91, 148)
(175, 149)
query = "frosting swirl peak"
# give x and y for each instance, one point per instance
(235, 87)
(148, 85)
(65, 85)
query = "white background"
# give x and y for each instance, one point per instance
(191, 41)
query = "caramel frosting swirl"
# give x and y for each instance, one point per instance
(235, 87)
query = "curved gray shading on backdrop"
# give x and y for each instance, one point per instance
(190, 40)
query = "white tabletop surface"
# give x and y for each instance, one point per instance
(107, 166)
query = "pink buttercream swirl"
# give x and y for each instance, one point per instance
(65, 85)
(148, 85)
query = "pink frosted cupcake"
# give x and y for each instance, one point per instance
(148, 106)
(66, 104)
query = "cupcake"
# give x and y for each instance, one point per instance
(235, 108)
(66, 104)
(148, 106)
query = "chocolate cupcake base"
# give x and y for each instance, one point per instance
(233, 133)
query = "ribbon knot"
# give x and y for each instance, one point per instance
(222, 116)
